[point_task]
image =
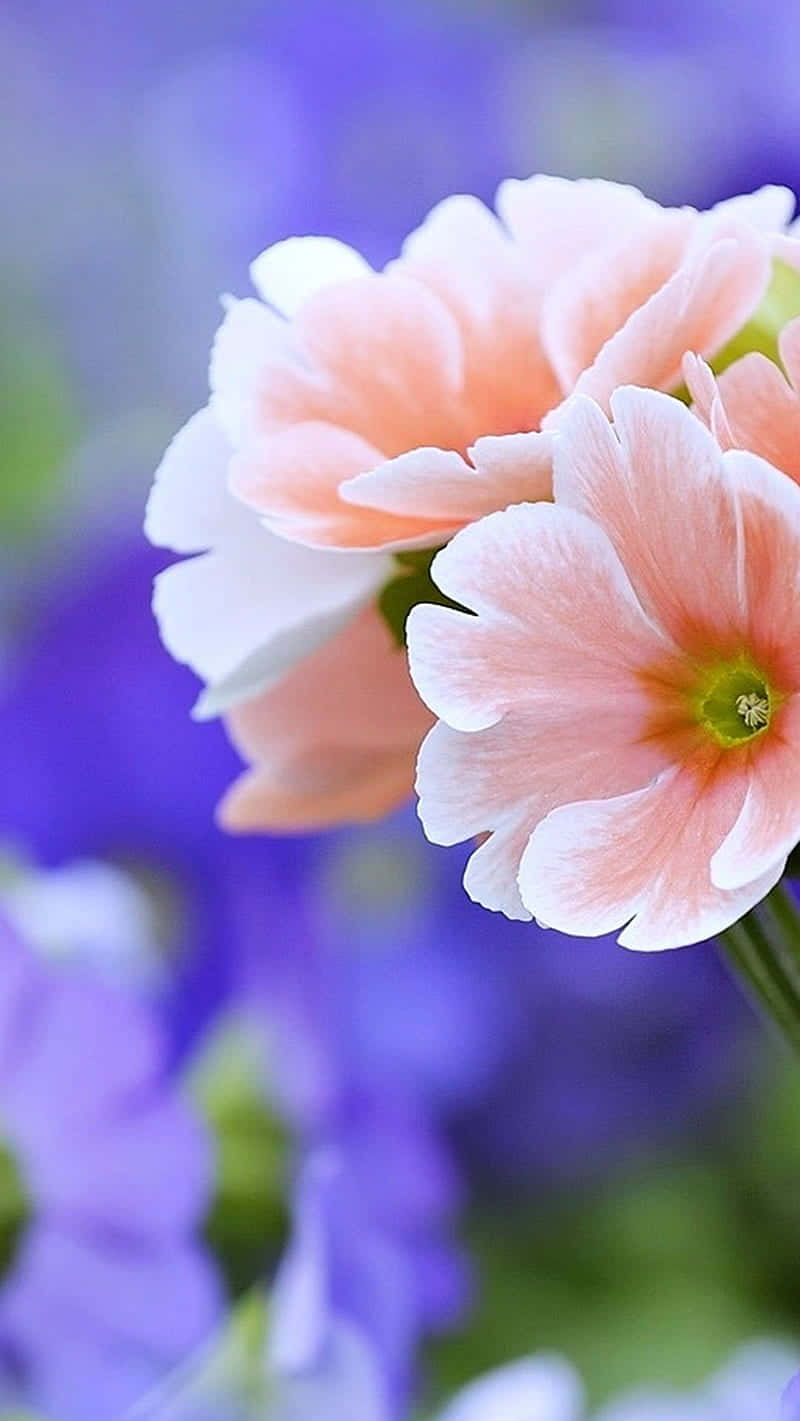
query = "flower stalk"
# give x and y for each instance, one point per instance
(763, 950)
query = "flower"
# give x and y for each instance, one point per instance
(105, 1178)
(380, 413)
(534, 1386)
(591, 714)
(94, 764)
(791, 1400)
(356, 1266)
(753, 404)
(395, 978)
(612, 1058)
(89, 912)
(746, 1388)
(245, 1378)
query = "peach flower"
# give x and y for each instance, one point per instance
(353, 398)
(355, 413)
(754, 405)
(622, 712)
(286, 637)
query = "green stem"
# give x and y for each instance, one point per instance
(763, 949)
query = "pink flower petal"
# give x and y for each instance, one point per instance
(504, 780)
(518, 466)
(462, 253)
(292, 478)
(587, 309)
(318, 791)
(677, 536)
(768, 826)
(445, 491)
(707, 300)
(289, 272)
(254, 351)
(335, 740)
(706, 403)
(643, 859)
(789, 351)
(559, 221)
(558, 624)
(761, 408)
(769, 509)
(392, 361)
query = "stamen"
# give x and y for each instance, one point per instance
(734, 701)
(754, 710)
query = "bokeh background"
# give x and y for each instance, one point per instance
(541, 1143)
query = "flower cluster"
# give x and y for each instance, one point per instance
(247, 1377)
(497, 425)
(399, 1020)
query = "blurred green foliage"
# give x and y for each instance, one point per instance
(39, 423)
(655, 1277)
(247, 1224)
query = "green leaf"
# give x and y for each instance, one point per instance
(411, 585)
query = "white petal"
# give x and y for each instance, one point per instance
(770, 208)
(288, 273)
(249, 345)
(244, 613)
(541, 1388)
(188, 508)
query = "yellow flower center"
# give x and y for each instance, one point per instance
(734, 702)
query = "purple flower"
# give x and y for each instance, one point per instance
(746, 1388)
(618, 1052)
(344, 1385)
(791, 1400)
(552, 1053)
(106, 1286)
(343, 1274)
(92, 913)
(97, 762)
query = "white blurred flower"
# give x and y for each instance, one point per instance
(92, 912)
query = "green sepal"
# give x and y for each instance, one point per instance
(411, 585)
(780, 304)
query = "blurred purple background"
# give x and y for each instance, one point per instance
(152, 150)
